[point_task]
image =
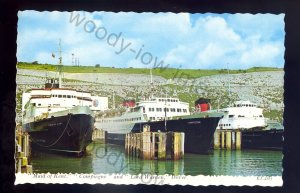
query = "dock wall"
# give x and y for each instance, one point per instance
(22, 153)
(227, 139)
(155, 145)
(99, 135)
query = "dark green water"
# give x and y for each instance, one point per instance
(105, 158)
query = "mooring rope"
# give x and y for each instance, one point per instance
(57, 138)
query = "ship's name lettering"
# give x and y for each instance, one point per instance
(54, 124)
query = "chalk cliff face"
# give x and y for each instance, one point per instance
(263, 88)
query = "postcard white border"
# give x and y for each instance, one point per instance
(127, 179)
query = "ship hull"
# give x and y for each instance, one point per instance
(263, 139)
(198, 132)
(66, 134)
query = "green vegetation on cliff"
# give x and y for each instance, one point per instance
(168, 73)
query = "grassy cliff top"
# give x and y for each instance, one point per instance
(167, 73)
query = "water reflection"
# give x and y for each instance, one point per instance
(53, 163)
(102, 158)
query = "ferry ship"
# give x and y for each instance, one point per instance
(257, 131)
(161, 114)
(242, 115)
(59, 119)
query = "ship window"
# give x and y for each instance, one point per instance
(230, 116)
(151, 109)
(260, 116)
(184, 110)
(59, 96)
(178, 110)
(173, 110)
(68, 96)
(39, 104)
(64, 96)
(158, 109)
(168, 100)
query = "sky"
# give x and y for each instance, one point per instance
(149, 40)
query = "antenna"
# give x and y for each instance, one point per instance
(151, 83)
(229, 95)
(113, 97)
(72, 59)
(166, 112)
(59, 65)
(59, 50)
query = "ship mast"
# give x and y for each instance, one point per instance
(113, 98)
(166, 112)
(229, 95)
(59, 66)
(151, 83)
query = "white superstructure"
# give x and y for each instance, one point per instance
(242, 115)
(157, 108)
(152, 109)
(49, 100)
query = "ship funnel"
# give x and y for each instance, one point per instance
(202, 104)
(129, 103)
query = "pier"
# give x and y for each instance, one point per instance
(99, 135)
(228, 139)
(23, 151)
(155, 145)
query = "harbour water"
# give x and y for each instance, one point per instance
(108, 159)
